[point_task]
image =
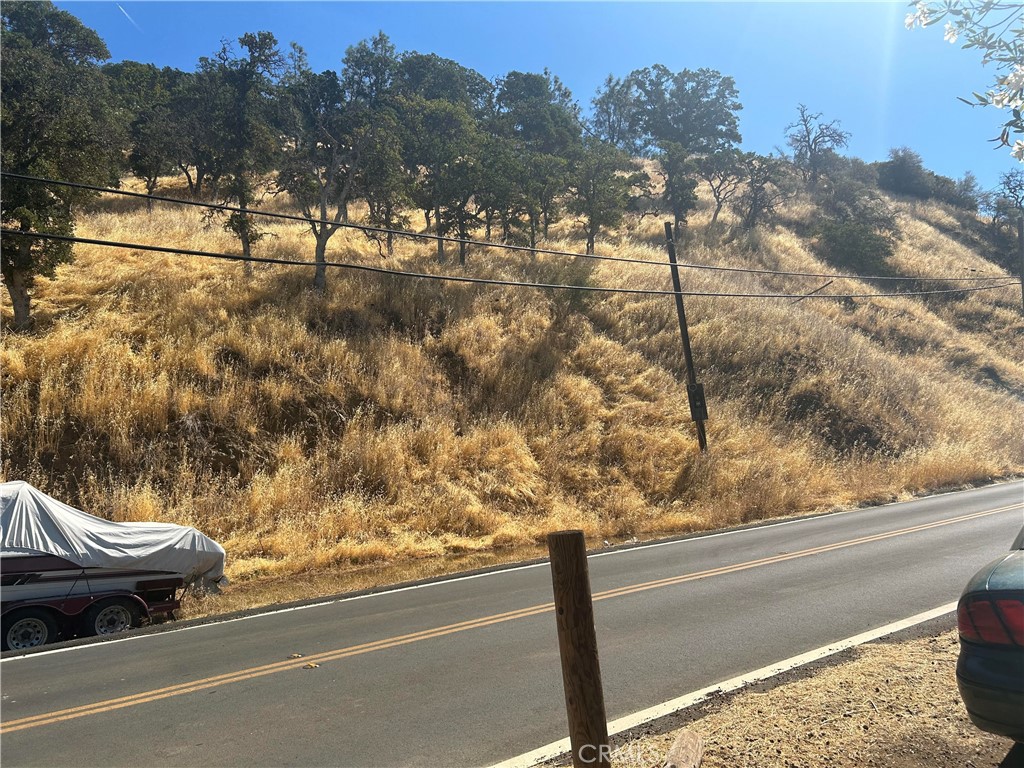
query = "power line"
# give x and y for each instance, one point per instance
(477, 280)
(485, 243)
(330, 222)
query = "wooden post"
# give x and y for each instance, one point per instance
(577, 643)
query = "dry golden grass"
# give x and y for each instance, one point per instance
(394, 421)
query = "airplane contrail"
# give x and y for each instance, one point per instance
(122, 10)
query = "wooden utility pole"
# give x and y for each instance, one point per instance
(694, 389)
(577, 643)
(1020, 248)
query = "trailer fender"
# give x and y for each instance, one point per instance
(72, 607)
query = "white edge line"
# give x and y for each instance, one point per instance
(499, 571)
(556, 748)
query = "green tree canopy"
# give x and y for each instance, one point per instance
(904, 173)
(143, 94)
(765, 189)
(246, 137)
(615, 117)
(538, 111)
(317, 162)
(695, 109)
(441, 142)
(369, 81)
(722, 172)
(602, 181)
(537, 116)
(674, 116)
(369, 70)
(57, 122)
(434, 78)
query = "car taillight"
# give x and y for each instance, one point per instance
(1012, 612)
(999, 621)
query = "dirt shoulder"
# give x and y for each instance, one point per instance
(892, 703)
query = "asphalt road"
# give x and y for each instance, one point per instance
(466, 672)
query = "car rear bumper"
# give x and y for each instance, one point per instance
(983, 676)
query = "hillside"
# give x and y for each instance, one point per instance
(395, 420)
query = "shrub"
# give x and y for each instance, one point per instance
(854, 246)
(905, 174)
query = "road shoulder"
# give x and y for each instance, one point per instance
(891, 702)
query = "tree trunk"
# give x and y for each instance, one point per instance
(533, 231)
(714, 216)
(440, 242)
(426, 218)
(487, 224)
(150, 189)
(17, 286)
(246, 247)
(391, 243)
(188, 178)
(320, 276)
(463, 236)
(202, 175)
(591, 236)
(750, 219)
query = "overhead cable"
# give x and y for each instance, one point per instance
(486, 243)
(476, 280)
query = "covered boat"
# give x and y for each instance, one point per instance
(66, 572)
(35, 524)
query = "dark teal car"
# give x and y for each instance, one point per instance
(990, 670)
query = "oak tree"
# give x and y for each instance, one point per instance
(602, 181)
(248, 139)
(814, 143)
(57, 122)
(681, 115)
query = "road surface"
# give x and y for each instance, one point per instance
(466, 671)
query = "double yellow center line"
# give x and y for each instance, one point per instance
(144, 697)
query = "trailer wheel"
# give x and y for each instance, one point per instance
(28, 628)
(108, 617)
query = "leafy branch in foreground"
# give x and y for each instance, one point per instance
(996, 29)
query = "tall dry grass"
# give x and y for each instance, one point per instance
(391, 420)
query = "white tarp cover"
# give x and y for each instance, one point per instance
(32, 521)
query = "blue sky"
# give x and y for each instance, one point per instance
(854, 62)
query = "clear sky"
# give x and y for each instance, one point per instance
(854, 62)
